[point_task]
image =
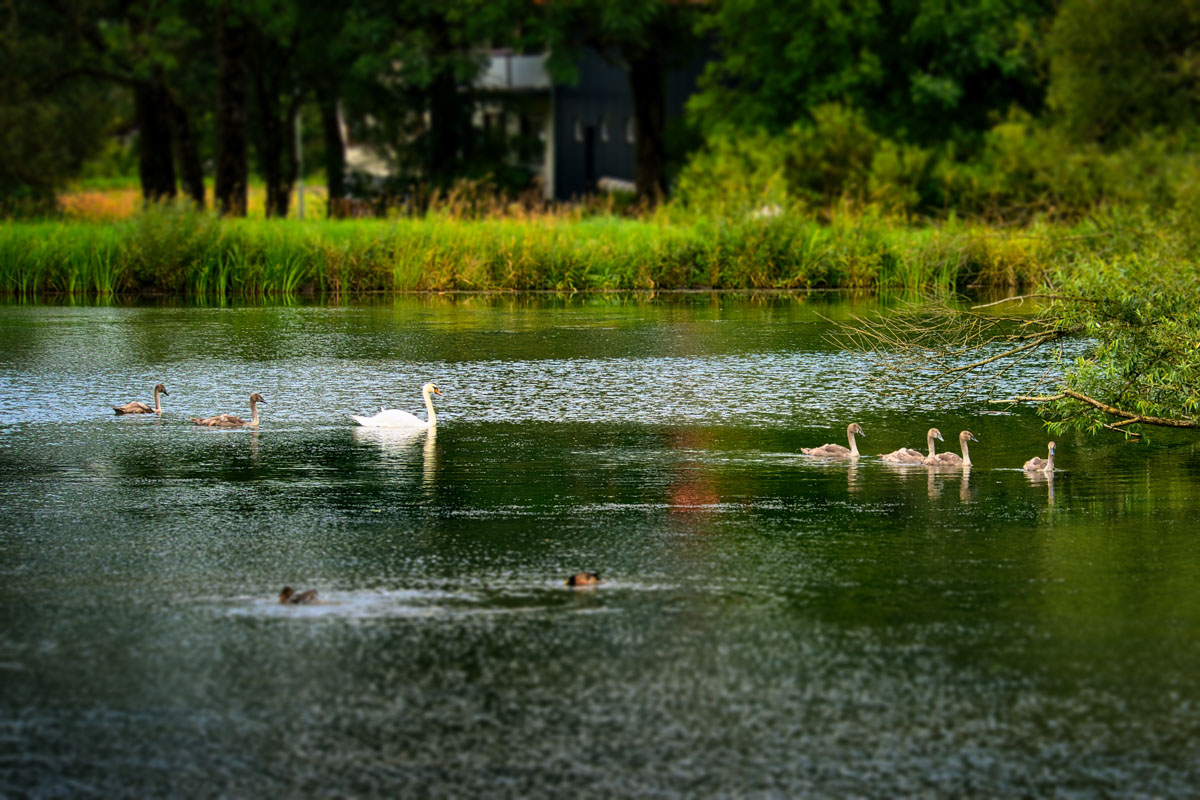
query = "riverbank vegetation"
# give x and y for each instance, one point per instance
(176, 251)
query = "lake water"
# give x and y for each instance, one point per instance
(768, 626)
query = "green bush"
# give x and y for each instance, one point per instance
(831, 157)
(834, 157)
(1023, 169)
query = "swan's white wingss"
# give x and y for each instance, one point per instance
(394, 418)
(391, 418)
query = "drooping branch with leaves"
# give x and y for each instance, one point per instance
(1124, 337)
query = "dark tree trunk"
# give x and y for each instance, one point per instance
(275, 107)
(156, 169)
(446, 136)
(291, 158)
(268, 144)
(335, 152)
(444, 110)
(275, 146)
(187, 155)
(647, 81)
(288, 160)
(231, 146)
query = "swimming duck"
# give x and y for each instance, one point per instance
(837, 450)
(584, 579)
(134, 407)
(1039, 464)
(907, 455)
(290, 596)
(230, 421)
(953, 459)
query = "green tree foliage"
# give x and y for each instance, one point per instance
(1142, 366)
(1119, 67)
(146, 48)
(414, 77)
(813, 165)
(53, 112)
(924, 71)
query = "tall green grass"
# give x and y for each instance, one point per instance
(181, 253)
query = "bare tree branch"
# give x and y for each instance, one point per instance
(1008, 353)
(1018, 299)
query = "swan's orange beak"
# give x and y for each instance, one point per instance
(437, 390)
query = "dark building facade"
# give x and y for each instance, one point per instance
(593, 135)
(586, 129)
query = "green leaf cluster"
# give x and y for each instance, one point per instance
(1139, 314)
(923, 71)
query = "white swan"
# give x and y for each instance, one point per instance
(394, 418)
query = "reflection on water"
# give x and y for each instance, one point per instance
(769, 625)
(1043, 478)
(965, 493)
(392, 442)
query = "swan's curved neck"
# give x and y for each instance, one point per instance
(157, 406)
(429, 408)
(1049, 462)
(966, 451)
(254, 413)
(853, 444)
(929, 441)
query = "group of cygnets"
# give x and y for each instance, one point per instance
(907, 455)
(218, 421)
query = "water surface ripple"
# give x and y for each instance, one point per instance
(768, 626)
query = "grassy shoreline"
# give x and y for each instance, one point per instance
(175, 252)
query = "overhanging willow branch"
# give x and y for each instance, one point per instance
(1128, 417)
(1049, 337)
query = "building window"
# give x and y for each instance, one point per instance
(578, 129)
(604, 129)
(630, 134)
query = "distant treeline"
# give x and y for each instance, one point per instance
(1007, 108)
